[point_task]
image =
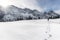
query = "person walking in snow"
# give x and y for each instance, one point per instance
(48, 19)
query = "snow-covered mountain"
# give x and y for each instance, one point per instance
(13, 13)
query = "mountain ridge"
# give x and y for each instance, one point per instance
(13, 13)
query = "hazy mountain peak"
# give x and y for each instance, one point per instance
(17, 13)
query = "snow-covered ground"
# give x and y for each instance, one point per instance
(30, 30)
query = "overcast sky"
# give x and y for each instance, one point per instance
(32, 4)
(50, 4)
(35, 4)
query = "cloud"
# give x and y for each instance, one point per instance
(32, 4)
(40, 5)
(49, 4)
(57, 11)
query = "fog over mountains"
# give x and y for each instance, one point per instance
(13, 13)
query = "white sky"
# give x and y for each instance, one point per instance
(32, 4)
